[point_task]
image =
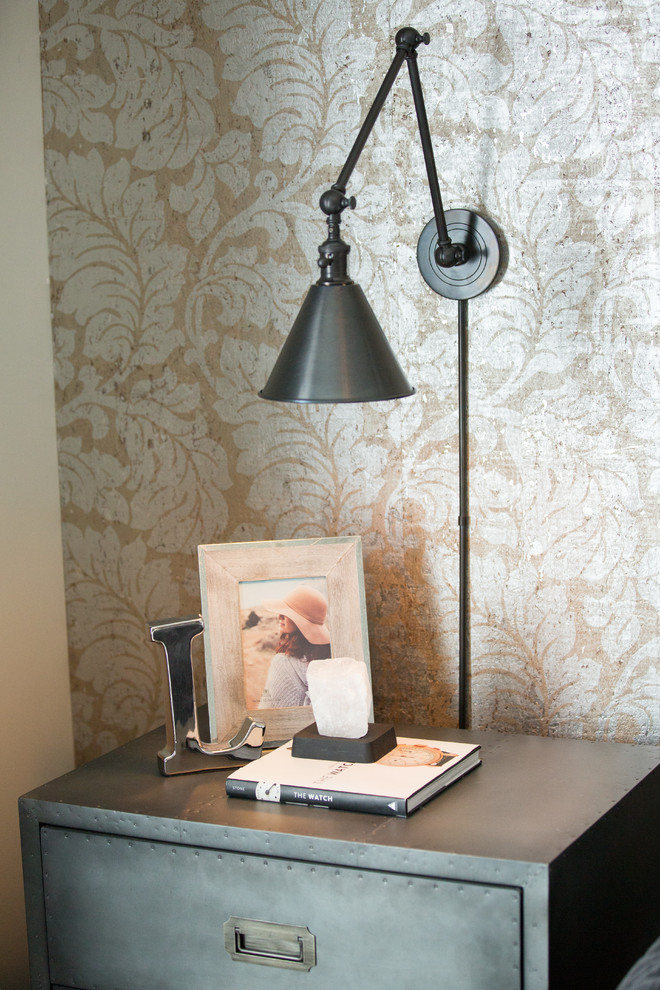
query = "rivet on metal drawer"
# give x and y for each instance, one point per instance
(269, 944)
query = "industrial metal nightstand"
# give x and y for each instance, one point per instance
(540, 869)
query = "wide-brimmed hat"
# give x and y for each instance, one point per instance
(307, 608)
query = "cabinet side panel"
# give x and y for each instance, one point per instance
(605, 894)
(34, 894)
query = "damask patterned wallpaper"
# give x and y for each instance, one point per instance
(186, 148)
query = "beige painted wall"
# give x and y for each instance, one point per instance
(35, 710)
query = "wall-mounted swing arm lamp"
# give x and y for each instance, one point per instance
(336, 350)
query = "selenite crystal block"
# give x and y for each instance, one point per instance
(340, 692)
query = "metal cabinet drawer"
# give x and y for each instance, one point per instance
(125, 914)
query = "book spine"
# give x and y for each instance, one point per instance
(340, 800)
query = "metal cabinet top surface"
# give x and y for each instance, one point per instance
(528, 802)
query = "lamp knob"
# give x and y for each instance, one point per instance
(409, 38)
(334, 201)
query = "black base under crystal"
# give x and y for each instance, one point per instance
(309, 744)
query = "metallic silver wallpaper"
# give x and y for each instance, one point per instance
(186, 147)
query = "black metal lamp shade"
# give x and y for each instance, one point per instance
(336, 352)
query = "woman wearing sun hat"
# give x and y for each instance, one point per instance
(304, 636)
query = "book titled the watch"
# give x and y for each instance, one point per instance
(397, 784)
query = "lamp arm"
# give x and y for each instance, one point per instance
(372, 116)
(446, 254)
(334, 200)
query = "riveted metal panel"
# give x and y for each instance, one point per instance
(143, 915)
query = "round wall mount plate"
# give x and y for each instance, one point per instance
(482, 263)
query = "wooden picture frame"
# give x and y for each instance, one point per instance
(224, 569)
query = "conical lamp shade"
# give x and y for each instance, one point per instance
(336, 352)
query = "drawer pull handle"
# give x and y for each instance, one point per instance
(269, 944)
(242, 948)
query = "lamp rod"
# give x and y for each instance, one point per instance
(463, 519)
(427, 149)
(447, 254)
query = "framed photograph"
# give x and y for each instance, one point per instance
(268, 609)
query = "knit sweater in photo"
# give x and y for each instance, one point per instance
(286, 684)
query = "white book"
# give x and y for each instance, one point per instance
(397, 784)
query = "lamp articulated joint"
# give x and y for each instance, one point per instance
(449, 255)
(333, 253)
(334, 201)
(409, 40)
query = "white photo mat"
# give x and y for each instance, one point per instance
(222, 568)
